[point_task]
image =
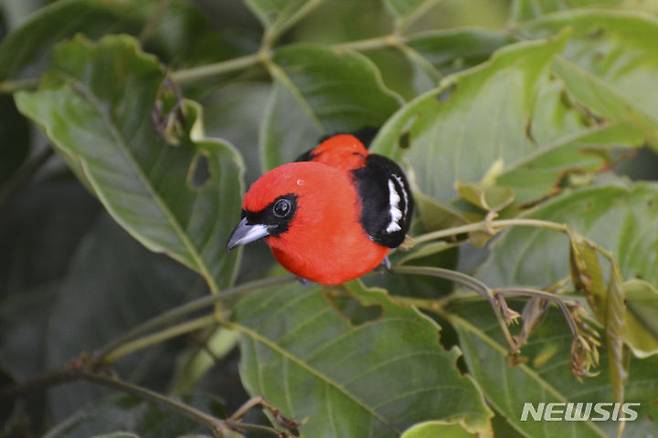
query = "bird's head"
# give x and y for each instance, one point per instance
(295, 201)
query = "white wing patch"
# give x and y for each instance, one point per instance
(394, 206)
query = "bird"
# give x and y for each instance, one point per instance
(332, 215)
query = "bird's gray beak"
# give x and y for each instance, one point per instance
(245, 233)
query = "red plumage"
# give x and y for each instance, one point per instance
(311, 214)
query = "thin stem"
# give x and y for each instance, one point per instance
(264, 56)
(81, 370)
(156, 338)
(484, 226)
(216, 425)
(528, 292)
(218, 68)
(469, 282)
(12, 86)
(392, 40)
(170, 316)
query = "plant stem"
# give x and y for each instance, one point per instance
(216, 425)
(11, 86)
(484, 226)
(156, 338)
(79, 370)
(371, 43)
(170, 316)
(469, 282)
(218, 68)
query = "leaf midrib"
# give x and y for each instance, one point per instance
(299, 362)
(81, 89)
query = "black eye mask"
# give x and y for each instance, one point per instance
(277, 215)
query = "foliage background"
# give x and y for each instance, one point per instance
(71, 278)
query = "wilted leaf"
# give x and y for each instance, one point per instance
(97, 108)
(587, 275)
(615, 311)
(320, 91)
(546, 376)
(609, 64)
(641, 331)
(304, 355)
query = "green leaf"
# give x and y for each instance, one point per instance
(279, 15)
(320, 91)
(452, 50)
(455, 135)
(620, 218)
(545, 377)
(528, 9)
(406, 11)
(609, 64)
(434, 429)
(323, 355)
(176, 199)
(27, 51)
(641, 331)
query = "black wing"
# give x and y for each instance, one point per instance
(387, 203)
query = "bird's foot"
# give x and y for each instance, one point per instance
(386, 263)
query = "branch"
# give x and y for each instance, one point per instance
(85, 369)
(177, 313)
(486, 226)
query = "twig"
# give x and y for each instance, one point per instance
(170, 316)
(469, 282)
(85, 369)
(158, 337)
(485, 225)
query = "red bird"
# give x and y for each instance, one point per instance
(331, 216)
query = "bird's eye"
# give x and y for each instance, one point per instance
(282, 208)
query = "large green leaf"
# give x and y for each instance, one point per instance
(27, 51)
(456, 49)
(354, 365)
(610, 63)
(278, 15)
(320, 91)
(178, 199)
(621, 218)
(491, 114)
(546, 376)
